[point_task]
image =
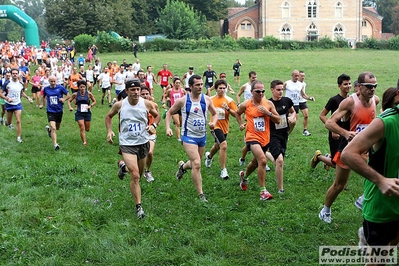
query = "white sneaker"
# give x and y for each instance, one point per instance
(267, 168)
(56, 147)
(148, 176)
(241, 161)
(10, 126)
(19, 139)
(359, 202)
(223, 174)
(208, 162)
(362, 240)
(306, 133)
(48, 129)
(140, 213)
(325, 217)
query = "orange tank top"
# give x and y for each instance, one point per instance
(361, 116)
(258, 124)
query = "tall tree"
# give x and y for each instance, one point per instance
(179, 21)
(394, 27)
(69, 18)
(144, 17)
(211, 9)
(384, 8)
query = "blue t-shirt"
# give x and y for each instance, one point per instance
(54, 105)
(81, 61)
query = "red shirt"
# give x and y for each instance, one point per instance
(164, 74)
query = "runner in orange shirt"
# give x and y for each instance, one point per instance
(224, 107)
(258, 112)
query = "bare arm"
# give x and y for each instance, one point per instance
(241, 109)
(108, 120)
(241, 91)
(73, 97)
(345, 108)
(352, 156)
(179, 103)
(212, 110)
(93, 100)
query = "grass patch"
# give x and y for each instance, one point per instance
(69, 208)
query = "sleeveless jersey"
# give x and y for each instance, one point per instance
(293, 91)
(188, 76)
(133, 123)
(194, 118)
(247, 92)
(223, 114)
(361, 116)
(301, 99)
(258, 124)
(174, 95)
(83, 102)
(150, 79)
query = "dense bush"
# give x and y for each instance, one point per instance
(107, 43)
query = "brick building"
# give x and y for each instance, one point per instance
(304, 20)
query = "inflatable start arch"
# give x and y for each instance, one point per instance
(23, 20)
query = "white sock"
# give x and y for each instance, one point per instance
(326, 209)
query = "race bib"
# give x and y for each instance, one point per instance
(164, 79)
(210, 80)
(295, 96)
(53, 100)
(283, 122)
(84, 108)
(360, 127)
(135, 129)
(75, 84)
(176, 96)
(221, 113)
(199, 124)
(259, 124)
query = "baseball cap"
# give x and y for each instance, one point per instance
(132, 83)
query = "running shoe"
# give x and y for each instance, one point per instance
(148, 176)
(57, 147)
(359, 202)
(241, 161)
(315, 159)
(362, 240)
(267, 168)
(140, 212)
(202, 198)
(208, 161)
(243, 181)
(19, 139)
(325, 217)
(180, 172)
(306, 133)
(122, 169)
(48, 129)
(265, 195)
(223, 174)
(281, 191)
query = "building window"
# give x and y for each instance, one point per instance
(312, 9)
(285, 10)
(285, 33)
(364, 23)
(249, 26)
(338, 10)
(312, 33)
(338, 32)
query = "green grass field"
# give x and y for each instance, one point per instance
(68, 207)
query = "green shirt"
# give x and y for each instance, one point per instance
(377, 207)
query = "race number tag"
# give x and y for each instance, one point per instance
(84, 108)
(294, 96)
(283, 122)
(53, 100)
(221, 113)
(176, 96)
(164, 79)
(135, 128)
(361, 127)
(259, 124)
(199, 124)
(210, 80)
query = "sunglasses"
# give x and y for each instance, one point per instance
(259, 91)
(369, 85)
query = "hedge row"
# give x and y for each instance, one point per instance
(106, 43)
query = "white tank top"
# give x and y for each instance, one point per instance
(60, 78)
(150, 79)
(188, 76)
(194, 118)
(293, 91)
(90, 75)
(301, 99)
(247, 92)
(133, 123)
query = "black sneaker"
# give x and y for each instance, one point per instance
(122, 169)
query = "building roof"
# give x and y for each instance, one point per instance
(239, 11)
